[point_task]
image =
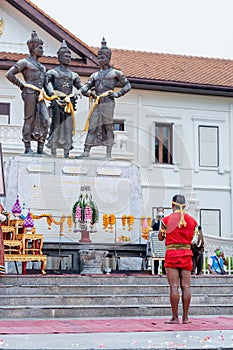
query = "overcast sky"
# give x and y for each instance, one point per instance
(187, 27)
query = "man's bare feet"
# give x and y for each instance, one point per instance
(186, 321)
(172, 321)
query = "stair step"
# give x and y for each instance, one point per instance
(104, 299)
(107, 296)
(109, 280)
(85, 311)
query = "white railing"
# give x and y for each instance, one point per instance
(11, 139)
(11, 134)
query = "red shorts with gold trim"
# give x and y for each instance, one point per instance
(179, 259)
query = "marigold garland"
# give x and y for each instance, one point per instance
(130, 222)
(112, 221)
(105, 222)
(50, 220)
(108, 222)
(123, 221)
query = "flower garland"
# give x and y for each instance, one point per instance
(105, 222)
(50, 219)
(108, 222)
(112, 222)
(130, 222)
(123, 221)
(145, 222)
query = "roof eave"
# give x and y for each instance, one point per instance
(182, 87)
(85, 71)
(51, 27)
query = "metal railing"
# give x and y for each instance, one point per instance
(211, 243)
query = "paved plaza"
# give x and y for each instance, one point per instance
(59, 334)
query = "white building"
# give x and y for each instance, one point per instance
(176, 123)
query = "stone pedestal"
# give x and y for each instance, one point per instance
(52, 186)
(85, 237)
(91, 261)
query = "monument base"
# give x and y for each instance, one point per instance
(92, 261)
(52, 186)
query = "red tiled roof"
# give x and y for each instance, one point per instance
(174, 68)
(11, 56)
(159, 67)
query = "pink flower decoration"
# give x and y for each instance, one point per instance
(144, 225)
(78, 214)
(88, 213)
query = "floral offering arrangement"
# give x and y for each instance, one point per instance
(85, 211)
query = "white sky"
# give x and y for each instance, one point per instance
(187, 27)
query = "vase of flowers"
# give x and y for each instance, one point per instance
(85, 214)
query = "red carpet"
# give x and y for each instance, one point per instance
(111, 325)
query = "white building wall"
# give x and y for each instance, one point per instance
(209, 188)
(140, 110)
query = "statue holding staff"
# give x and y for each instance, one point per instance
(100, 119)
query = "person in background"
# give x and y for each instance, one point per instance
(198, 249)
(216, 263)
(156, 223)
(2, 263)
(178, 230)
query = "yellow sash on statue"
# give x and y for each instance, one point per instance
(93, 107)
(69, 106)
(43, 95)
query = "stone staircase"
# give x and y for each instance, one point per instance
(78, 296)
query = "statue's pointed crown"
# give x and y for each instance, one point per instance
(104, 49)
(63, 48)
(34, 39)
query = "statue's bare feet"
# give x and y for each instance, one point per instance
(29, 151)
(172, 321)
(85, 154)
